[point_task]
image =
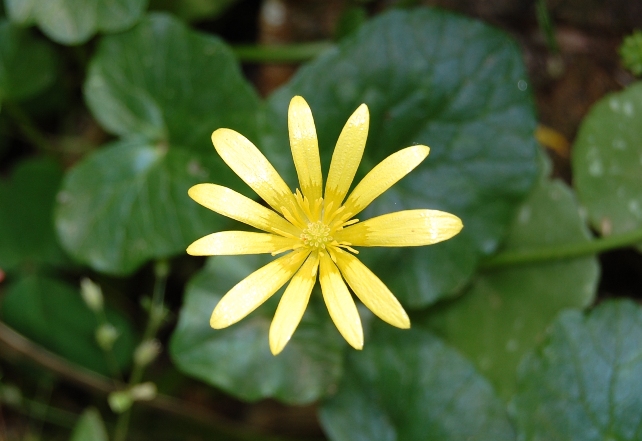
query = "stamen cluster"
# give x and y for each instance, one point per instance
(316, 235)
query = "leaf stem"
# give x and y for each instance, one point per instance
(27, 127)
(563, 251)
(290, 53)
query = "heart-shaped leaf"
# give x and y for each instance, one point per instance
(409, 385)
(505, 312)
(128, 203)
(607, 162)
(167, 82)
(27, 64)
(435, 78)
(583, 383)
(75, 21)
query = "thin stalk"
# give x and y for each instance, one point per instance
(546, 25)
(112, 363)
(154, 321)
(564, 251)
(12, 343)
(290, 53)
(28, 128)
(45, 412)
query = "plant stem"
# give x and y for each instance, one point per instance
(546, 25)
(154, 321)
(27, 127)
(14, 343)
(290, 53)
(564, 251)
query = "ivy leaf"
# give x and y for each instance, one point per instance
(170, 84)
(435, 78)
(26, 212)
(90, 427)
(307, 369)
(128, 203)
(409, 385)
(53, 314)
(505, 312)
(27, 64)
(73, 22)
(584, 383)
(607, 162)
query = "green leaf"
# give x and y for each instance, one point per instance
(164, 89)
(408, 385)
(607, 162)
(26, 216)
(27, 64)
(505, 312)
(76, 21)
(193, 10)
(428, 77)
(583, 383)
(238, 359)
(90, 427)
(53, 314)
(168, 83)
(128, 203)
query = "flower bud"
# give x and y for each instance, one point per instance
(106, 335)
(91, 294)
(143, 392)
(146, 352)
(120, 401)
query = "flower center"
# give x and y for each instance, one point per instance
(316, 235)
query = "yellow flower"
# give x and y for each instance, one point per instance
(318, 230)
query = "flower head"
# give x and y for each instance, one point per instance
(317, 229)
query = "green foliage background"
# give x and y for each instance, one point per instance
(497, 351)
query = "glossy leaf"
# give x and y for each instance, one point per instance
(583, 383)
(505, 312)
(607, 162)
(90, 427)
(128, 203)
(27, 64)
(26, 216)
(53, 314)
(238, 359)
(75, 21)
(428, 77)
(409, 385)
(170, 84)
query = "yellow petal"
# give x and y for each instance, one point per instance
(347, 156)
(251, 292)
(371, 290)
(402, 229)
(293, 304)
(240, 242)
(387, 173)
(238, 207)
(305, 148)
(254, 168)
(339, 302)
